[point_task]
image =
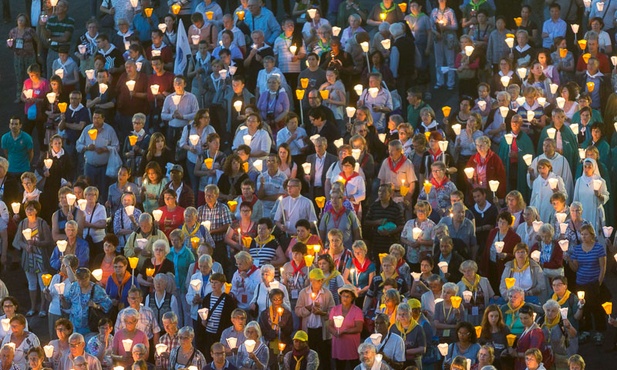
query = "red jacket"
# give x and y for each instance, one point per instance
(494, 171)
(556, 260)
(510, 241)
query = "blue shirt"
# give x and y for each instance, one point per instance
(144, 26)
(17, 150)
(553, 29)
(266, 22)
(588, 263)
(82, 252)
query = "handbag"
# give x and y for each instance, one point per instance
(113, 164)
(95, 314)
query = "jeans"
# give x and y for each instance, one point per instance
(97, 177)
(444, 57)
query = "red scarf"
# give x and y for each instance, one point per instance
(398, 166)
(337, 215)
(251, 270)
(436, 155)
(362, 268)
(298, 269)
(353, 174)
(439, 185)
(250, 201)
(400, 263)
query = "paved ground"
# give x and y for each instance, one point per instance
(15, 278)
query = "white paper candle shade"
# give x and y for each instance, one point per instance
(528, 158)
(469, 171)
(249, 345)
(358, 89)
(129, 210)
(157, 214)
(443, 266)
(564, 244)
(176, 99)
(195, 39)
(356, 153)
(457, 129)
(238, 105)
(443, 348)
(336, 30)
(82, 49)
(232, 70)
(482, 105)
(373, 91)
(563, 227)
(194, 139)
(258, 164)
(339, 143)
(127, 45)
(468, 50)
(203, 313)
(59, 72)
(141, 243)
(61, 244)
(561, 217)
(535, 255)
(28, 94)
(608, 231)
(307, 168)
(560, 102)
(508, 138)
(127, 344)
(162, 27)
(437, 300)
(575, 27)
(493, 185)
(574, 128)
(520, 100)
(15, 207)
(231, 342)
(6, 324)
(97, 274)
(416, 233)
(530, 115)
(386, 43)
(553, 88)
(376, 339)
(154, 89)
(48, 162)
(312, 13)
(467, 295)
(416, 276)
(160, 348)
(223, 73)
(81, 203)
(27, 233)
(505, 81)
(365, 46)
(59, 288)
(207, 224)
(597, 183)
(551, 132)
(51, 97)
(614, 60)
(499, 247)
(600, 6)
(553, 182)
(338, 321)
(443, 145)
(510, 42)
(314, 137)
(134, 3)
(521, 72)
(49, 351)
(564, 313)
(196, 284)
(103, 88)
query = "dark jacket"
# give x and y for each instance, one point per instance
(328, 160)
(453, 275)
(187, 197)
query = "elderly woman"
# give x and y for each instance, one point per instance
(439, 187)
(81, 296)
(64, 214)
(182, 258)
(273, 104)
(411, 333)
(461, 228)
(259, 356)
(543, 188)
(480, 288)
(346, 337)
(159, 300)
(192, 229)
(196, 292)
(402, 268)
(466, 344)
(99, 345)
(260, 140)
(551, 254)
(74, 245)
(117, 287)
(186, 354)
(265, 248)
(588, 260)
(230, 181)
(374, 294)
(220, 306)
(125, 224)
(359, 271)
(494, 332)
(159, 263)
(261, 300)
(105, 260)
(486, 357)
(95, 220)
(516, 300)
(493, 261)
(559, 333)
(487, 166)
(63, 329)
(525, 230)
(435, 154)
(591, 189)
(135, 153)
(527, 274)
(435, 288)
(566, 299)
(428, 122)
(130, 331)
(23, 340)
(245, 279)
(33, 238)
(276, 323)
(446, 316)
(146, 231)
(531, 337)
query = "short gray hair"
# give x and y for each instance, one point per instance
(171, 316)
(267, 268)
(77, 336)
(551, 303)
(145, 217)
(190, 211)
(366, 346)
(160, 242)
(449, 286)
(130, 312)
(187, 330)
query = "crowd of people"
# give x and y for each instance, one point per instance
(273, 189)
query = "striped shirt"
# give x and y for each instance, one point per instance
(263, 253)
(214, 315)
(58, 27)
(588, 263)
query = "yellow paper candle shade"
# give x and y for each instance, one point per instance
(133, 261)
(591, 86)
(245, 166)
(427, 134)
(148, 12)
(324, 94)
(46, 279)
(608, 307)
(586, 57)
(300, 94)
(403, 7)
(427, 187)
(510, 35)
(195, 242)
(209, 15)
(308, 259)
(175, 9)
(240, 15)
(227, 287)
(511, 338)
(150, 272)
(321, 201)
(316, 248)
(582, 44)
(478, 331)
(132, 140)
(246, 241)
(209, 162)
(62, 107)
(446, 111)
(381, 256)
(456, 301)
(93, 133)
(563, 52)
(232, 204)
(518, 21)
(304, 82)
(510, 282)
(404, 190)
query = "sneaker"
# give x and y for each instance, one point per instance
(30, 313)
(437, 87)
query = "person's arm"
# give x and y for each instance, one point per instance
(356, 329)
(280, 259)
(602, 262)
